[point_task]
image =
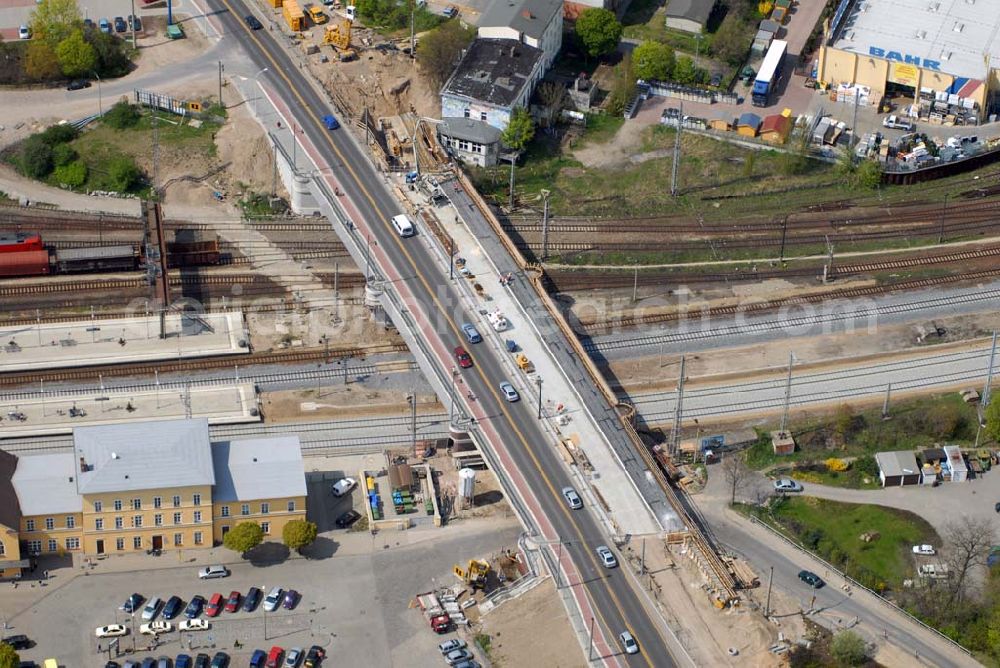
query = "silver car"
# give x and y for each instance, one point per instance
(509, 393)
(607, 556)
(572, 498)
(628, 643)
(787, 485)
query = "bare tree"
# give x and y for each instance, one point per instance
(734, 468)
(553, 96)
(969, 544)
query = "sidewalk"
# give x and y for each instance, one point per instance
(567, 416)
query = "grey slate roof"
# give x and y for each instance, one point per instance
(897, 463)
(143, 455)
(528, 17)
(694, 10)
(469, 129)
(46, 484)
(10, 512)
(259, 468)
(493, 71)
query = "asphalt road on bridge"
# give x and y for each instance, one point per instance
(618, 606)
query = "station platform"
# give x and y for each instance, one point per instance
(59, 345)
(52, 413)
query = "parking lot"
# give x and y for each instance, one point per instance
(356, 589)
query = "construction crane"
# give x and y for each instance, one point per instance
(339, 37)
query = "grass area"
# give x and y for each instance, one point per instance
(601, 128)
(852, 478)
(833, 531)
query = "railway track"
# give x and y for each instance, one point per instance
(595, 326)
(320, 355)
(569, 280)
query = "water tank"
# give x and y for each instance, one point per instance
(467, 484)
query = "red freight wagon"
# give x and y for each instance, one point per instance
(16, 242)
(28, 263)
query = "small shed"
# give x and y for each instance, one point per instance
(724, 124)
(761, 42)
(748, 124)
(897, 468)
(770, 26)
(783, 4)
(775, 128)
(953, 467)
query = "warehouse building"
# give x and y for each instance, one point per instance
(938, 59)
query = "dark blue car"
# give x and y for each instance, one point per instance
(194, 607)
(173, 607)
(330, 122)
(258, 658)
(182, 661)
(251, 600)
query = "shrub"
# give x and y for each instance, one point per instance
(123, 174)
(63, 154)
(36, 157)
(73, 174)
(849, 648)
(836, 464)
(122, 116)
(59, 134)
(866, 465)
(943, 420)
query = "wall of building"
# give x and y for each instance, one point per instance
(65, 534)
(184, 524)
(465, 151)
(680, 23)
(274, 513)
(451, 105)
(10, 550)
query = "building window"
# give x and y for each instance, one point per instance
(265, 508)
(177, 518)
(245, 509)
(197, 538)
(157, 502)
(158, 519)
(468, 113)
(34, 546)
(119, 523)
(136, 504)
(29, 525)
(136, 542)
(197, 517)
(118, 504)
(2, 549)
(178, 539)
(98, 506)
(177, 502)
(291, 506)
(53, 545)
(119, 544)
(196, 499)
(99, 524)
(225, 511)
(137, 521)
(70, 522)
(50, 524)
(265, 527)
(482, 115)
(72, 543)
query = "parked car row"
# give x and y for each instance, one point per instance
(277, 657)
(196, 607)
(220, 660)
(457, 654)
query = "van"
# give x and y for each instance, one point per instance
(403, 225)
(152, 607)
(471, 333)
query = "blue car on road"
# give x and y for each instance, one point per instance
(330, 122)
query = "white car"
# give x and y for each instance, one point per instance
(628, 643)
(154, 628)
(273, 599)
(343, 486)
(787, 485)
(293, 657)
(211, 572)
(111, 631)
(193, 625)
(924, 549)
(24, 32)
(451, 645)
(607, 556)
(509, 393)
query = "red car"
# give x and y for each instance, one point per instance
(464, 360)
(274, 657)
(233, 604)
(214, 606)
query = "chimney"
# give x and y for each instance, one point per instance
(512, 51)
(83, 465)
(527, 14)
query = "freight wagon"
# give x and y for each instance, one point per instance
(101, 258)
(25, 263)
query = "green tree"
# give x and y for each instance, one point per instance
(40, 63)
(440, 49)
(849, 648)
(868, 175)
(298, 533)
(112, 53)
(123, 174)
(685, 71)
(36, 157)
(599, 31)
(54, 20)
(653, 61)
(122, 116)
(729, 44)
(8, 657)
(73, 174)
(992, 417)
(63, 154)
(59, 134)
(622, 86)
(76, 56)
(520, 130)
(243, 537)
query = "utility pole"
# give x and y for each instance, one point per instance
(985, 399)
(545, 224)
(854, 127)
(336, 292)
(510, 200)
(784, 231)
(677, 154)
(767, 605)
(635, 283)
(413, 42)
(944, 211)
(222, 68)
(412, 398)
(885, 404)
(590, 649)
(828, 267)
(788, 394)
(538, 381)
(133, 24)
(675, 431)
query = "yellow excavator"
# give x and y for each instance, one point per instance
(475, 574)
(339, 37)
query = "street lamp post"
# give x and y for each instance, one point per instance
(100, 101)
(256, 83)
(538, 381)
(263, 609)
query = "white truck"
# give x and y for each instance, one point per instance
(898, 122)
(497, 320)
